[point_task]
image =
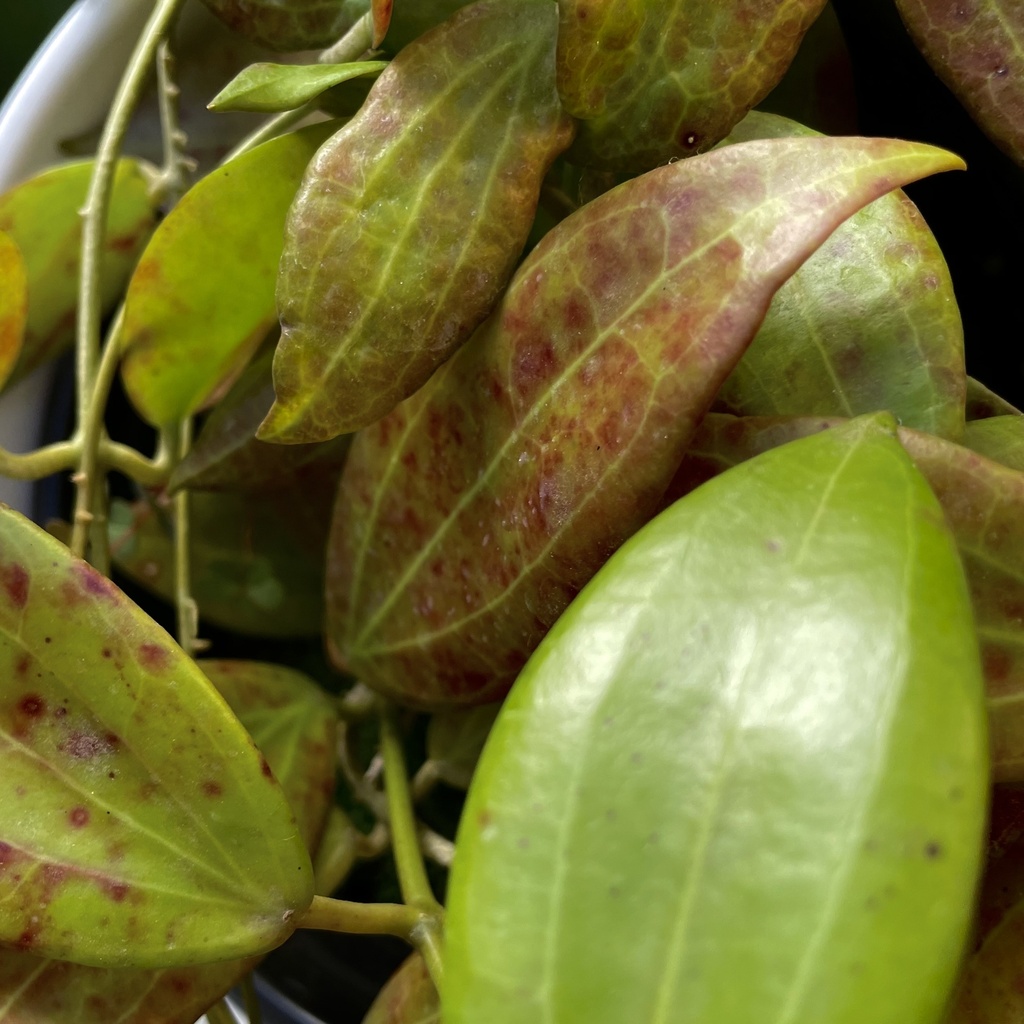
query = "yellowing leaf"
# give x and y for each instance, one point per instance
(13, 304)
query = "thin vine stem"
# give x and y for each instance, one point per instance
(270, 129)
(326, 914)
(184, 602)
(412, 874)
(352, 45)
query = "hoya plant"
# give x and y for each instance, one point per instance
(555, 528)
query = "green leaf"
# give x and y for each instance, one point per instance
(257, 565)
(983, 403)
(977, 48)
(293, 724)
(285, 25)
(227, 455)
(202, 296)
(1000, 438)
(984, 504)
(42, 216)
(409, 997)
(869, 322)
(417, 212)
(469, 517)
(743, 778)
(273, 87)
(137, 827)
(455, 739)
(13, 304)
(414, 17)
(655, 81)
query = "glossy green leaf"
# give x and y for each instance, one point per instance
(13, 304)
(293, 724)
(977, 48)
(409, 997)
(137, 827)
(289, 24)
(869, 322)
(274, 87)
(653, 82)
(1000, 438)
(43, 217)
(983, 403)
(410, 221)
(227, 455)
(257, 565)
(984, 504)
(469, 517)
(788, 825)
(455, 739)
(202, 296)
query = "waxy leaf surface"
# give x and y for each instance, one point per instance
(293, 724)
(744, 777)
(227, 455)
(977, 48)
(469, 517)
(984, 505)
(202, 296)
(13, 304)
(655, 81)
(410, 221)
(869, 322)
(288, 24)
(409, 997)
(257, 565)
(274, 87)
(42, 216)
(137, 827)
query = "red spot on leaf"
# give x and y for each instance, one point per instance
(32, 705)
(107, 653)
(95, 583)
(154, 658)
(79, 817)
(123, 243)
(26, 940)
(211, 788)
(180, 984)
(265, 768)
(22, 665)
(117, 891)
(14, 578)
(84, 745)
(996, 662)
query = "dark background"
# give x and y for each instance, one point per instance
(25, 24)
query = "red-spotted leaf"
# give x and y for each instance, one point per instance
(257, 565)
(1000, 438)
(13, 304)
(137, 825)
(743, 778)
(273, 87)
(410, 221)
(289, 24)
(981, 402)
(655, 81)
(409, 997)
(977, 48)
(293, 724)
(869, 322)
(469, 517)
(984, 504)
(202, 296)
(227, 455)
(43, 218)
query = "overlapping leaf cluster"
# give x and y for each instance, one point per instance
(472, 358)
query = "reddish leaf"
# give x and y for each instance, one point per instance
(977, 48)
(655, 81)
(469, 517)
(416, 213)
(409, 997)
(288, 24)
(983, 403)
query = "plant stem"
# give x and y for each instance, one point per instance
(220, 1014)
(412, 875)
(54, 458)
(325, 914)
(188, 611)
(277, 125)
(251, 1001)
(352, 45)
(173, 179)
